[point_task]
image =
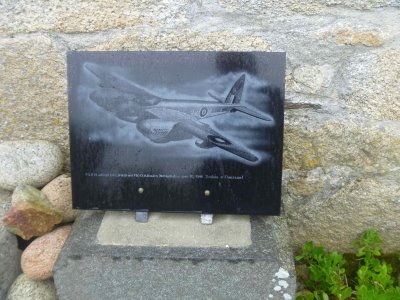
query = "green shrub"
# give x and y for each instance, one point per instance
(326, 278)
(374, 279)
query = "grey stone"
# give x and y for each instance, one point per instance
(312, 79)
(371, 84)
(27, 289)
(5, 201)
(10, 256)
(151, 272)
(28, 162)
(360, 4)
(328, 142)
(79, 16)
(33, 90)
(333, 206)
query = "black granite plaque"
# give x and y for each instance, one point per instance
(177, 131)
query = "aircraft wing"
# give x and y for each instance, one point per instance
(111, 80)
(210, 138)
(252, 113)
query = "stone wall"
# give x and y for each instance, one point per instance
(342, 120)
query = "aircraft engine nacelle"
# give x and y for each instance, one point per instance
(155, 129)
(203, 144)
(212, 141)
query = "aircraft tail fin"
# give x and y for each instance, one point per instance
(235, 94)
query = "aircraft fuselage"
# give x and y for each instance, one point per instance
(198, 109)
(126, 105)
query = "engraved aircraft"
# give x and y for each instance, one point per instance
(164, 120)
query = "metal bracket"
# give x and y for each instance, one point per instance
(206, 219)
(142, 216)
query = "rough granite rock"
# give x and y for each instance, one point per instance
(59, 193)
(333, 206)
(24, 288)
(341, 179)
(348, 36)
(39, 257)
(185, 40)
(350, 32)
(33, 82)
(78, 16)
(101, 16)
(10, 256)
(312, 79)
(287, 7)
(31, 213)
(370, 147)
(360, 4)
(371, 84)
(28, 162)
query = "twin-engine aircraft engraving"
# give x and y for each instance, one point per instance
(166, 120)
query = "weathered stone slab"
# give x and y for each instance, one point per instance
(328, 142)
(371, 84)
(174, 230)
(87, 269)
(333, 206)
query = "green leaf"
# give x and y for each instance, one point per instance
(346, 293)
(299, 257)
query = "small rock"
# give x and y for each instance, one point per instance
(28, 162)
(31, 214)
(10, 256)
(59, 193)
(40, 256)
(24, 288)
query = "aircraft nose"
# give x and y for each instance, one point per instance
(94, 69)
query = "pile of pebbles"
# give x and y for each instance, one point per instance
(36, 206)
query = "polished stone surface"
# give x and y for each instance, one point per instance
(177, 131)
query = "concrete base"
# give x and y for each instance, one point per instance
(95, 264)
(174, 230)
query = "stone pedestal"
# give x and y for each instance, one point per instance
(173, 256)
